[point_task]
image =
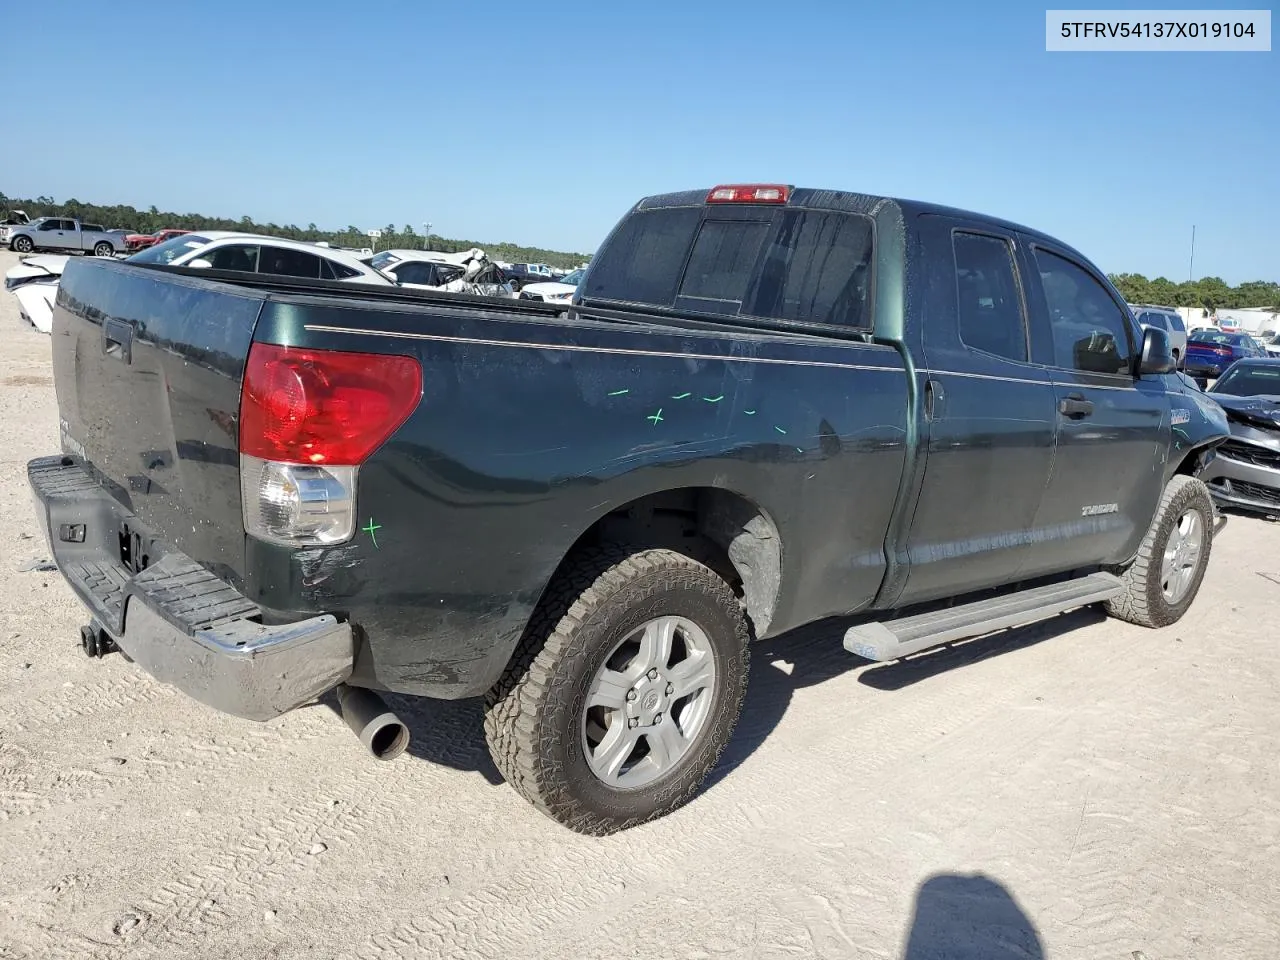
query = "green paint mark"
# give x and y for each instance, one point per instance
(618, 393)
(714, 399)
(781, 431)
(370, 530)
(749, 413)
(655, 417)
(682, 396)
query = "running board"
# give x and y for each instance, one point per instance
(893, 639)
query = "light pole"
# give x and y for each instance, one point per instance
(426, 239)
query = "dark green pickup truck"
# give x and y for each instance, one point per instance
(765, 406)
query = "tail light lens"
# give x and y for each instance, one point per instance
(308, 419)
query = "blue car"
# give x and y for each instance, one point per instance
(1210, 352)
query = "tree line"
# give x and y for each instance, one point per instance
(1210, 293)
(152, 219)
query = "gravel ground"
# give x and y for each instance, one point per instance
(1081, 788)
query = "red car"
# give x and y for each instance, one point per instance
(140, 241)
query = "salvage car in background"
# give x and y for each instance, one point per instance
(66, 234)
(468, 272)
(34, 281)
(140, 241)
(1246, 471)
(1210, 352)
(252, 253)
(1167, 319)
(556, 291)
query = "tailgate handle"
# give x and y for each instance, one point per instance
(117, 340)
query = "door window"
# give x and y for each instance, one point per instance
(238, 257)
(416, 272)
(1090, 332)
(283, 262)
(989, 302)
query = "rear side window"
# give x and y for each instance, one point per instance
(1175, 323)
(988, 301)
(289, 263)
(331, 270)
(817, 270)
(643, 260)
(723, 256)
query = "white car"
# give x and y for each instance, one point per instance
(467, 272)
(252, 253)
(34, 281)
(555, 291)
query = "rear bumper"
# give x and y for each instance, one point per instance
(175, 619)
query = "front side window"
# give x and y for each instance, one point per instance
(415, 272)
(239, 257)
(51, 225)
(989, 303)
(1090, 332)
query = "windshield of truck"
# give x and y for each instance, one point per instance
(170, 250)
(801, 265)
(1250, 380)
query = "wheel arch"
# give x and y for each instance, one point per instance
(730, 532)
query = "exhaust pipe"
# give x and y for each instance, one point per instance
(383, 733)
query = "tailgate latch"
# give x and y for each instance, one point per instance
(117, 340)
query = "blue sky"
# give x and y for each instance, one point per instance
(541, 123)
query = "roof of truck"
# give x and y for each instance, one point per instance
(852, 202)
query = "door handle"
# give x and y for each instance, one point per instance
(117, 340)
(1075, 407)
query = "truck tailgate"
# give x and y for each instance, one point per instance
(148, 367)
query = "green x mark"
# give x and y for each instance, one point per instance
(369, 529)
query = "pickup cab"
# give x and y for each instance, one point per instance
(66, 235)
(765, 407)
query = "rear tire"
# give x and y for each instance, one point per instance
(550, 721)
(1162, 582)
(21, 245)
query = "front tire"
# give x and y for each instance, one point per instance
(1164, 579)
(104, 249)
(624, 691)
(22, 245)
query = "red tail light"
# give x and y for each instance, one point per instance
(1223, 351)
(750, 193)
(323, 406)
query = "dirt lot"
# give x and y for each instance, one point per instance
(1082, 788)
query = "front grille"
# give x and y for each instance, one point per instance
(1255, 491)
(1246, 453)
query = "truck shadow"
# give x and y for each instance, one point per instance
(814, 654)
(970, 917)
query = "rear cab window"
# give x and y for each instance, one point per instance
(760, 263)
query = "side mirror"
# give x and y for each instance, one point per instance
(200, 263)
(1157, 357)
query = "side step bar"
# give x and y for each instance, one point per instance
(892, 639)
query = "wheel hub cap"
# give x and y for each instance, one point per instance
(648, 702)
